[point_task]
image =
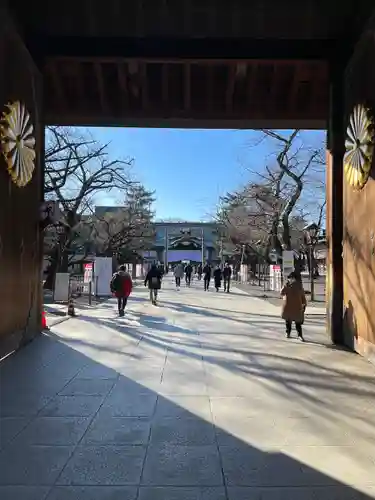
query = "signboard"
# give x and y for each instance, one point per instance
(288, 263)
(103, 276)
(88, 276)
(275, 278)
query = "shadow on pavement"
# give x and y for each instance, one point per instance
(74, 428)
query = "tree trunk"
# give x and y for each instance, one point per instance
(312, 263)
(64, 262)
(287, 241)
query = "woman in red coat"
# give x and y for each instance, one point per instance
(121, 287)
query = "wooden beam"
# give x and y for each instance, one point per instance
(123, 83)
(144, 86)
(179, 48)
(101, 89)
(232, 71)
(79, 80)
(140, 18)
(56, 79)
(252, 86)
(187, 16)
(91, 18)
(210, 87)
(183, 119)
(165, 83)
(187, 86)
(301, 75)
(294, 87)
(320, 85)
(275, 84)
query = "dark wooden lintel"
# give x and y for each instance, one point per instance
(101, 89)
(210, 87)
(164, 83)
(57, 83)
(144, 86)
(294, 87)
(187, 86)
(230, 88)
(123, 83)
(179, 48)
(79, 80)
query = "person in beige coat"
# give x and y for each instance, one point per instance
(294, 305)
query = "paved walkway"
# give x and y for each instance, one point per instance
(201, 398)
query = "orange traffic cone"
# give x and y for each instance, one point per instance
(44, 321)
(71, 311)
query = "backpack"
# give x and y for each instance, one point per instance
(116, 282)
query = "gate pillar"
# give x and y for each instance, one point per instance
(334, 224)
(20, 190)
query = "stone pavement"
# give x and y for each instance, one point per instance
(200, 398)
(57, 312)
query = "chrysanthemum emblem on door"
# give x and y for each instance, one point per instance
(359, 145)
(18, 143)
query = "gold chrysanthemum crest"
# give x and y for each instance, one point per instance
(18, 142)
(359, 146)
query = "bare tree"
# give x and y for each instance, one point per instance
(270, 213)
(77, 169)
(294, 162)
(128, 229)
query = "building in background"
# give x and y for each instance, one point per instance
(185, 241)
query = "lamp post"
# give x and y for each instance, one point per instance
(242, 259)
(202, 246)
(311, 236)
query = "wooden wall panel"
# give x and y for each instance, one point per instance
(20, 276)
(359, 212)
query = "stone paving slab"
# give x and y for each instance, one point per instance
(199, 398)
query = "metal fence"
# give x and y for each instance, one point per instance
(79, 289)
(260, 280)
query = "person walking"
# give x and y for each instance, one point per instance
(200, 271)
(121, 286)
(217, 277)
(153, 280)
(188, 273)
(227, 274)
(294, 305)
(178, 274)
(207, 271)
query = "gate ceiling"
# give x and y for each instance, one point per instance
(189, 63)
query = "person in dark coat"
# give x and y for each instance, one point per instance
(200, 271)
(188, 273)
(121, 286)
(217, 277)
(294, 305)
(227, 274)
(207, 271)
(153, 280)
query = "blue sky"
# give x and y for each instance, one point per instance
(188, 169)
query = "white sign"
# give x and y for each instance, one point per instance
(61, 289)
(103, 275)
(275, 278)
(88, 277)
